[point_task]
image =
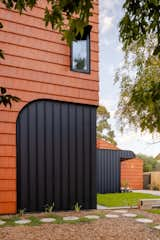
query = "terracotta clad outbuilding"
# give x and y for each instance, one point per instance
(36, 66)
(132, 173)
(131, 169)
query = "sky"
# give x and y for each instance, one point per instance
(111, 57)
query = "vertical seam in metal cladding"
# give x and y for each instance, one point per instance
(61, 162)
(101, 169)
(68, 157)
(37, 175)
(45, 168)
(53, 154)
(83, 160)
(89, 161)
(114, 172)
(28, 154)
(76, 194)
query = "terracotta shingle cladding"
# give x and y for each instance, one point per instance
(36, 65)
(132, 173)
(102, 144)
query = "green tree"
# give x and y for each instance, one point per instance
(149, 162)
(60, 14)
(7, 99)
(104, 130)
(141, 19)
(139, 77)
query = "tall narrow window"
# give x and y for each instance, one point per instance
(80, 52)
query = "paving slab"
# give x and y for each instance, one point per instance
(100, 207)
(92, 217)
(111, 216)
(130, 215)
(70, 218)
(144, 220)
(153, 192)
(47, 220)
(157, 227)
(23, 221)
(121, 211)
(2, 222)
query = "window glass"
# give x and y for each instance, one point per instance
(79, 55)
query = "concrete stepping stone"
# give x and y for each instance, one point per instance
(47, 220)
(100, 207)
(157, 227)
(2, 222)
(120, 211)
(70, 218)
(144, 220)
(111, 216)
(130, 215)
(92, 217)
(23, 221)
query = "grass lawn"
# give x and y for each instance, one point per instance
(154, 211)
(121, 199)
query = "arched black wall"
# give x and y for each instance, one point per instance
(56, 155)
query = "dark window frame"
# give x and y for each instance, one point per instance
(86, 37)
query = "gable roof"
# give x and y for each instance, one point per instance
(102, 144)
(123, 154)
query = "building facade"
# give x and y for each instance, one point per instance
(37, 69)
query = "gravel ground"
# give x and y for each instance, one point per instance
(109, 229)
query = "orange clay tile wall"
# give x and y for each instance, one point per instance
(102, 144)
(36, 65)
(132, 173)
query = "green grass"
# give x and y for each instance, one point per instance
(9, 221)
(35, 221)
(154, 211)
(122, 199)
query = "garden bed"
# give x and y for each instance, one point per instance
(111, 229)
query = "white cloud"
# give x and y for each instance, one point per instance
(138, 142)
(109, 5)
(119, 47)
(110, 105)
(106, 23)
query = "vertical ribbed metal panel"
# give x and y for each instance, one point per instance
(108, 169)
(56, 155)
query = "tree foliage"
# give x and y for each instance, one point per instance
(139, 76)
(141, 18)
(68, 17)
(104, 130)
(149, 163)
(7, 99)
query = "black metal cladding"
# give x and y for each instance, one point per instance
(108, 169)
(56, 155)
